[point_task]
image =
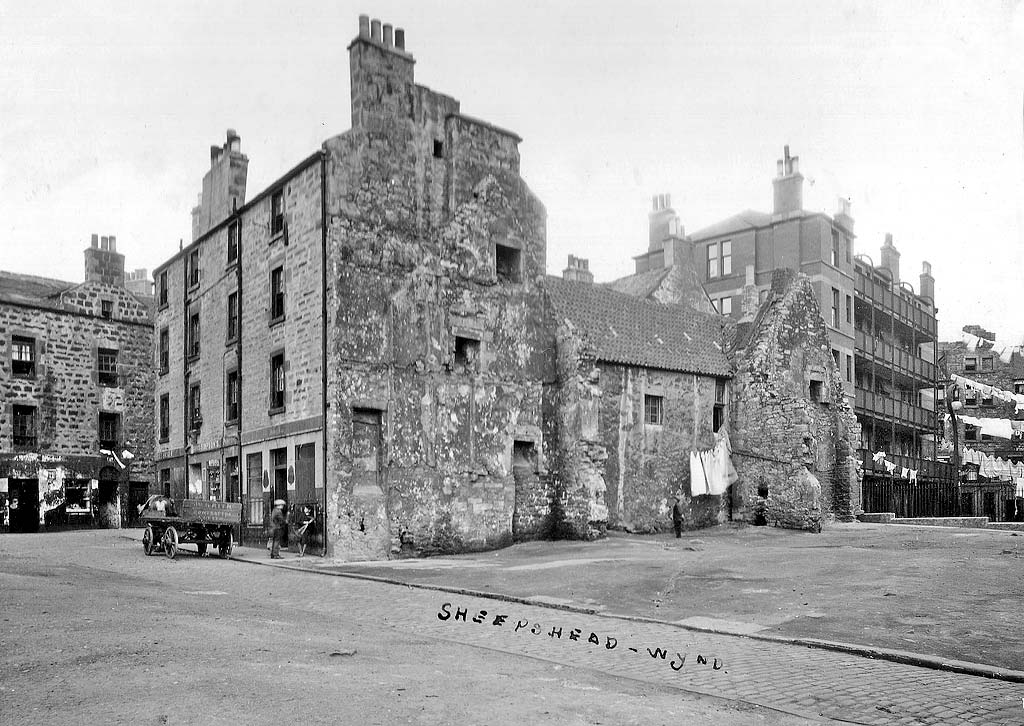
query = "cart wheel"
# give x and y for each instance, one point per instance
(225, 547)
(147, 540)
(201, 548)
(170, 542)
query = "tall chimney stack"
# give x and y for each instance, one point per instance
(788, 185)
(891, 258)
(927, 289)
(578, 270)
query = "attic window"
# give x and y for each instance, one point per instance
(106, 309)
(507, 263)
(817, 389)
(438, 149)
(467, 352)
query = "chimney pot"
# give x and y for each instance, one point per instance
(389, 41)
(364, 26)
(104, 242)
(654, 203)
(375, 30)
(668, 201)
(779, 168)
(113, 243)
(214, 154)
(95, 241)
(794, 167)
(400, 38)
(888, 239)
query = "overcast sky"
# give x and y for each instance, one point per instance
(913, 110)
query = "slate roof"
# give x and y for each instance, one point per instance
(622, 328)
(30, 289)
(642, 284)
(747, 219)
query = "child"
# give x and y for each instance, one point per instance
(306, 529)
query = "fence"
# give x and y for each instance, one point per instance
(994, 500)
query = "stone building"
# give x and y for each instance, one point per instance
(76, 393)
(744, 249)
(794, 434)
(365, 335)
(882, 332)
(638, 386)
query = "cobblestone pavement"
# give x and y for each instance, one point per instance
(789, 678)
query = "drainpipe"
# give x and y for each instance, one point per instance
(186, 373)
(323, 333)
(238, 359)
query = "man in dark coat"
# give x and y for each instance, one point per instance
(277, 525)
(677, 518)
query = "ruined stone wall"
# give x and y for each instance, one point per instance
(792, 428)
(647, 464)
(418, 201)
(575, 506)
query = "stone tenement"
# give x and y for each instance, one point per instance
(51, 336)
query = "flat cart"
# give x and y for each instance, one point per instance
(199, 522)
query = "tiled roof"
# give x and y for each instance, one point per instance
(748, 219)
(641, 284)
(625, 329)
(29, 288)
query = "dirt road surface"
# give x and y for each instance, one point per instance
(92, 631)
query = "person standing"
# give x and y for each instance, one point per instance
(306, 530)
(277, 525)
(677, 517)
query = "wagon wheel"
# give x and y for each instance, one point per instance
(170, 541)
(148, 544)
(225, 545)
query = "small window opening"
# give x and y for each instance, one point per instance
(106, 309)
(507, 263)
(524, 455)
(654, 410)
(438, 149)
(467, 352)
(718, 413)
(817, 389)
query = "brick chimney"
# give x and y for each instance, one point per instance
(927, 288)
(578, 270)
(103, 263)
(381, 73)
(223, 185)
(891, 258)
(843, 218)
(788, 184)
(664, 222)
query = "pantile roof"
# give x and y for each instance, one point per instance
(623, 328)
